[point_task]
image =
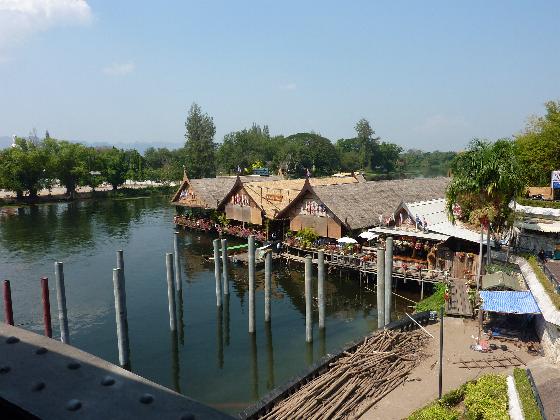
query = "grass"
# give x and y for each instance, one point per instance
(433, 302)
(483, 399)
(528, 403)
(539, 203)
(548, 286)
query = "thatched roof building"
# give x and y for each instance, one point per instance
(334, 209)
(207, 193)
(249, 202)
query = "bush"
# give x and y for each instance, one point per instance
(433, 302)
(487, 399)
(434, 411)
(306, 237)
(530, 409)
(539, 203)
(452, 398)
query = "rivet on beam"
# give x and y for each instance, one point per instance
(73, 405)
(41, 350)
(12, 340)
(107, 381)
(146, 399)
(73, 365)
(38, 386)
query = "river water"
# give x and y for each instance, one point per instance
(212, 358)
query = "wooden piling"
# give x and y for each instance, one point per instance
(308, 297)
(120, 262)
(121, 317)
(267, 284)
(177, 261)
(251, 260)
(171, 292)
(8, 311)
(46, 306)
(217, 274)
(321, 287)
(61, 301)
(380, 287)
(225, 267)
(388, 278)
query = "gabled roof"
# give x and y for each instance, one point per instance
(359, 205)
(274, 196)
(212, 191)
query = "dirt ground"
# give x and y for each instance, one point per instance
(422, 385)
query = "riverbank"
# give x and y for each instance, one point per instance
(58, 194)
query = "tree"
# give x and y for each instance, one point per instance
(368, 143)
(486, 177)
(68, 162)
(387, 156)
(114, 166)
(199, 145)
(309, 151)
(538, 147)
(243, 148)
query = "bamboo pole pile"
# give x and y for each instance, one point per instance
(356, 381)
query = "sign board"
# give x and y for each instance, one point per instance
(555, 179)
(261, 171)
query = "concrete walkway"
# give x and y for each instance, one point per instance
(422, 386)
(547, 380)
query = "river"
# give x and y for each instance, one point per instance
(212, 358)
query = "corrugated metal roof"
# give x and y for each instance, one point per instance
(509, 302)
(541, 226)
(538, 211)
(435, 212)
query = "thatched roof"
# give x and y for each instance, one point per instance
(359, 205)
(273, 196)
(211, 191)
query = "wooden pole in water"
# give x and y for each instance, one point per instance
(177, 260)
(267, 284)
(120, 262)
(388, 278)
(251, 261)
(121, 316)
(380, 287)
(171, 291)
(321, 287)
(8, 311)
(61, 301)
(217, 274)
(308, 297)
(225, 266)
(46, 306)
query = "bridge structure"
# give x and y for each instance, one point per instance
(42, 378)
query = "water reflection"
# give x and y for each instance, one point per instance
(175, 366)
(220, 336)
(269, 355)
(254, 365)
(226, 318)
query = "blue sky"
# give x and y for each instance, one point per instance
(429, 75)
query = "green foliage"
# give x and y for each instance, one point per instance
(434, 411)
(554, 297)
(538, 148)
(307, 236)
(69, 163)
(416, 162)
(486, 178)
(454, 397)
(199, 146)
(433, 302)
(538, 203)
(487, 399)
(528, 403)
(114, 166)
(308, 151)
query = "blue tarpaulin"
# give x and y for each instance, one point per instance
(509, 302)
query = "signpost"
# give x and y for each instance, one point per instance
(555, 183)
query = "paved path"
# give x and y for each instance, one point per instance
(554, 267)
(422, 386)
(547, 379)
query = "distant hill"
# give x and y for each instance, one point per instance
(6, 141)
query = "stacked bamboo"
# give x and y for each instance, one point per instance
(356, 381)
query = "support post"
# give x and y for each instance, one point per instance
(217, 274)
(251, 260)
(171, 291)
(225, 266)
(177, 260)
(267, 284)
(321, 287)
(440, 352)
(61, 301)
(120, 262)
(479, 274)
(308, 297)
(380, 287)
(8, 311)
(488, 252)
(46, 306)
(388, 278)
(121, 316)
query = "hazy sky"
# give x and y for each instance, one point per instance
(429, 75)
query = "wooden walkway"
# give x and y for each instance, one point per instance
(458, 302)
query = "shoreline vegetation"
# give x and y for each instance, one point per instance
(122, 192)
